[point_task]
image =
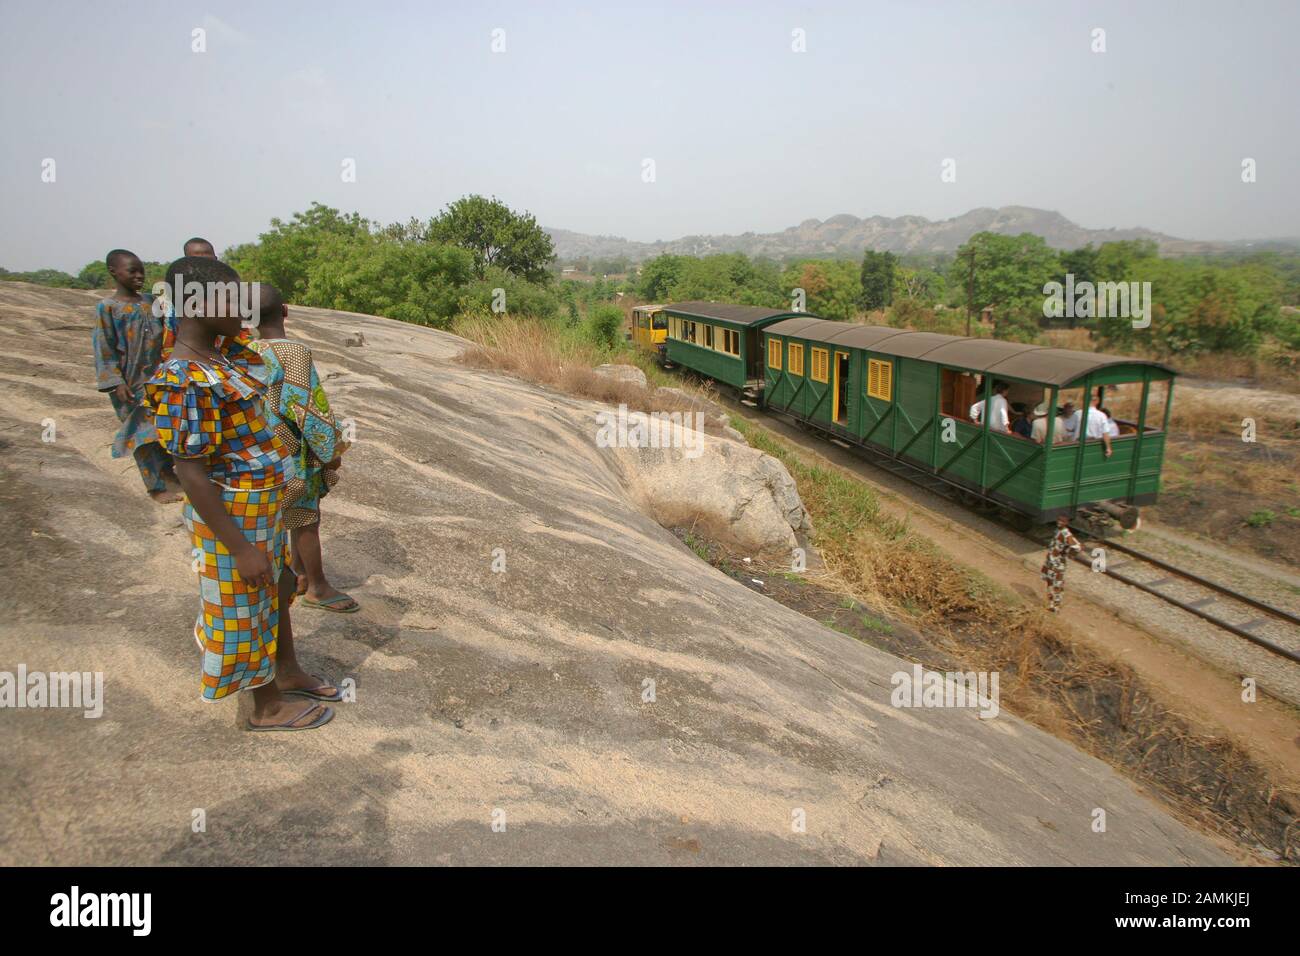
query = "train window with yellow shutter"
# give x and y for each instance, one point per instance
(820, 365)
(795, 364)
(774, 353)
(880, 379)
(733, 342)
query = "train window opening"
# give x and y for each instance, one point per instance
(707, 341)
(795, 364)
(659, 321)
(880, 379)
(820, 362)
(1124, 402)
(774, 354)
(1157, 404)
(732, 341)
(958, 393)
(841, 387)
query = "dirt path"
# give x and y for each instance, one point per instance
(1207, 696)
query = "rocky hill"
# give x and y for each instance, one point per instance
(517, 697)
(848, 236)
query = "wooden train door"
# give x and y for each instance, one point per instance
(842, 394)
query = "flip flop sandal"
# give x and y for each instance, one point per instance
(327, 714)
(329, 604)
(314, 693)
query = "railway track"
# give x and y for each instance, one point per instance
(1272, 628)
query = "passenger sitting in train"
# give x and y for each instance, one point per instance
(1000, 409)
(1020, 423)
(1094, 430)
(1112, 426)
(1038, 431)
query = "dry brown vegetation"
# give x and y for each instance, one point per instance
(563, 359)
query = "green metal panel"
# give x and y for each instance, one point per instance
(917, 394)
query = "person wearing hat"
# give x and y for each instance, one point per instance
(1038, 430)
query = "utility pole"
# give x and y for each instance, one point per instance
(970, 289)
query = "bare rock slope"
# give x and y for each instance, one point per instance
(519, 697)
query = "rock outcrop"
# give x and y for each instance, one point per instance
(622, 373)
(533, 650)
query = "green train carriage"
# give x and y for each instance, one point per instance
(907, 396)
(720, 340)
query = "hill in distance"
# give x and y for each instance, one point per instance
(846, 236)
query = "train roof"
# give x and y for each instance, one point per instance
(1034, 363)
(726, 312)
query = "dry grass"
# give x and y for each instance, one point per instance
(564, 359)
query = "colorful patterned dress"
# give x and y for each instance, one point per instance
(1064, 543)
(300, 413)
(214, 412)
(128, 340)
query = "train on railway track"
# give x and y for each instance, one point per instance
(910, 401)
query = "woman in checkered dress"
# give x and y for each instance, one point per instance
(209, 417)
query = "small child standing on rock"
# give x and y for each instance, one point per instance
(300, 413)
(128, 347)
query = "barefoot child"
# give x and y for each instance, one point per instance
(209, 418)
(300, 413)
(128, 344)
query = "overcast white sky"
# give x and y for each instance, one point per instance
(154, 142)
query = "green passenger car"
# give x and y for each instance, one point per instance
(913, 397)
(719, 340)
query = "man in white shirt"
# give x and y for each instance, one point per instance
(1096, 428)
(977, 411)
(1000, 409)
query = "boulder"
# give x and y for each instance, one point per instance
(622, 373)
(734, 494)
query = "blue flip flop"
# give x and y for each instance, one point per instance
(315, 693)
(327, 714)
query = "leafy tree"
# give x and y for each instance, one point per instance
(412, 281)
(659, 275)
(495, 235)
(54, 278)
(604, 324)
(1009, 273)
(287, 252)
(831, 286)
(517, 296)
(877, 279)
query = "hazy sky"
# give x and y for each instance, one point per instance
(154, 142)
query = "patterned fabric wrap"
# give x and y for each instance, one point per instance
(238, 625)
(300, 412)
(214, 413)
(127, 341)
